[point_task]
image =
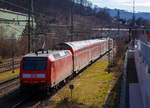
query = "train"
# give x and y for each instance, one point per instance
(47, 69)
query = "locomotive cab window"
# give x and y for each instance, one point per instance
(34, 63)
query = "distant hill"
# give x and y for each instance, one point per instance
(126, 14)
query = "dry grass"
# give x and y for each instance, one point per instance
(91, 89)
(8, 75)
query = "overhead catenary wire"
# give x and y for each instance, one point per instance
(12, 4)
(25, 9)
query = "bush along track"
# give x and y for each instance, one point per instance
(116, 66)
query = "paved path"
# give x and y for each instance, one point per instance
(135, 96)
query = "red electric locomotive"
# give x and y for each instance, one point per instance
(49, 68)
(45, 69)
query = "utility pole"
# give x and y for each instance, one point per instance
(29, 28)
(72, 18)
(133, 17)
(118, 19)
(81, 2)
(133, 20)
(32, 9)
(109, 52)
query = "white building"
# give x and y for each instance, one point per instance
(12, 23)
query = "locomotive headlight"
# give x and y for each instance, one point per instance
(33, 76)
(41, 75)
(26, 75)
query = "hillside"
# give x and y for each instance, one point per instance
(53, 23)
(125, 14)
(59, 12)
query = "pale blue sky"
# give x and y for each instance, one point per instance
(140, 5)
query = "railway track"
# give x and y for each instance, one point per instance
(10, 96)
(8, 60)
(9, 69)
(34, 100)
(8, 86)
(27, 103)
(17, 100)
(7, 65)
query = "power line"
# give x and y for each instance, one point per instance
(17, 6)
(12, 4)
(5, 20)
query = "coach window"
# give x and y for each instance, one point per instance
(67, 53)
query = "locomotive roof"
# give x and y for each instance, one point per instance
(56, 54)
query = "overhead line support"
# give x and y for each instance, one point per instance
(72, 18)
(29, 26)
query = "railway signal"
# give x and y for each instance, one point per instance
(71, 89)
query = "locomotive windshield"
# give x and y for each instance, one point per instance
(34, 63)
